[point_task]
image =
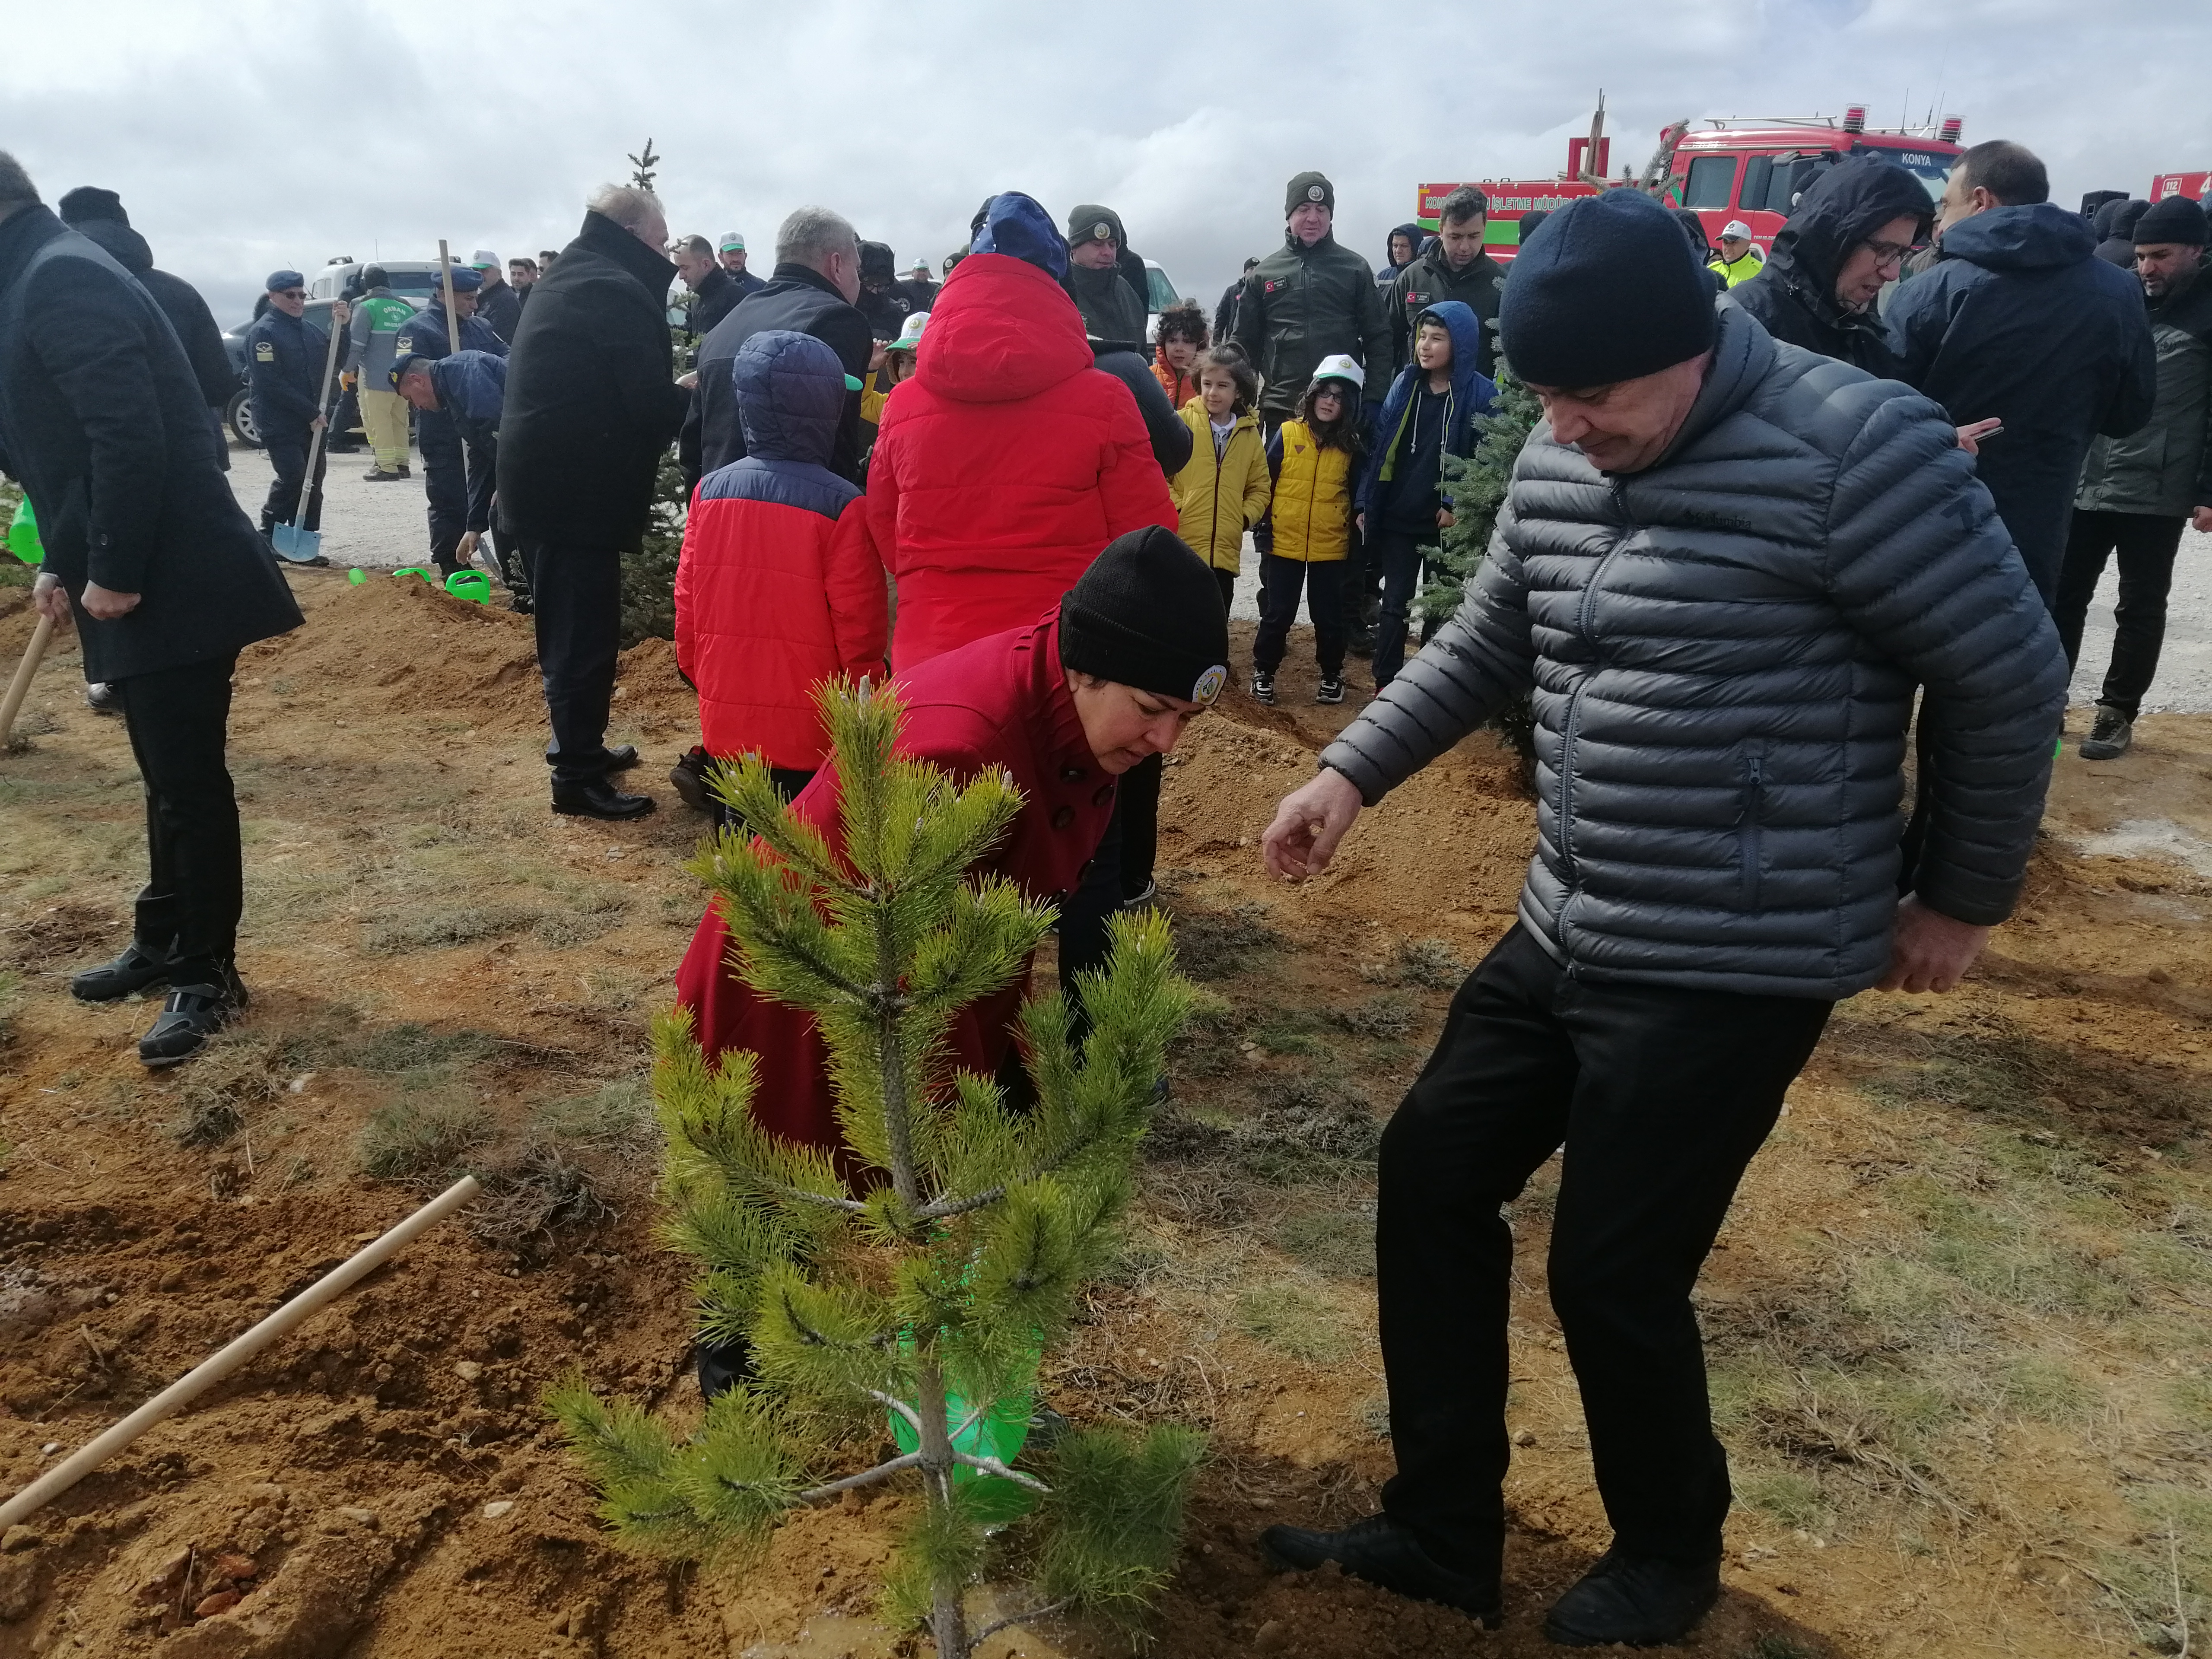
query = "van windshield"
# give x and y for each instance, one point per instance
(414, 282)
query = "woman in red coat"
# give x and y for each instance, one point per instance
(1008, 460)
(1065, 705)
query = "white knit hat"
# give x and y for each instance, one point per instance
(1338, 366)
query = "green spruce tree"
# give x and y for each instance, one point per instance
(928, 1286)
(1477, 484)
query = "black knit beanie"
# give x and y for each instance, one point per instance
(1607, 289)
(1530, 220)
(89, 202)
(1309, 187)
(1148, 613)
(2176, 219)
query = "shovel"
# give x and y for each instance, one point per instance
(306, 546)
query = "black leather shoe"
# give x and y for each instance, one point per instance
(136, 970)
(1636, 1599)
(689, 779)
(622, 757)
(598, 800)
(192, 1014)
(1384, 1552)
(102, 698)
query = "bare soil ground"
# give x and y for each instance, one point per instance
(1960, 1321)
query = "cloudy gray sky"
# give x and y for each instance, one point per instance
(251, 134)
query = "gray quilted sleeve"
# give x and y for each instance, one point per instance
(1922, 566)
(1462, 677)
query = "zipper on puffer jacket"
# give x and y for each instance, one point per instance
(1572, 724)
(1750, 837)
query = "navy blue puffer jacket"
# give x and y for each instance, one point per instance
(1723, 649)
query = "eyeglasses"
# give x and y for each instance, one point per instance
(291, 293)
(1892, 253)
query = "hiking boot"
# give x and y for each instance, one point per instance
(191, 1015)
(403, 471)
(136, 970)
(1329, 691)
(598, 800)
(1384, 1552)
(1636, 1599)
(378, 474)
(688, 777)
(99, 696)
(2110, 738)
(1263, 687)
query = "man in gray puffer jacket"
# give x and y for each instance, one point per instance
(1724, 565)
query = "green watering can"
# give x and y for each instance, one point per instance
(23, 535)
(471, 585)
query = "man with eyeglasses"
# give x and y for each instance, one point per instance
(285, 356)
(2020, 322)
(1848, 236)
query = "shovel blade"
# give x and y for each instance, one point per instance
(300, 546)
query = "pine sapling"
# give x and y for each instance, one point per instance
(927, 1284)
(1476, 483)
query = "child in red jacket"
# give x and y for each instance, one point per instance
(779, 586)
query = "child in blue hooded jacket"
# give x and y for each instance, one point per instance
(1401, 502)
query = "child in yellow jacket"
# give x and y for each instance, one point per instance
(1306, 536)
(1222, 491)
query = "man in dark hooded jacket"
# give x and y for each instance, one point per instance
(99, 215)
(1403, 247)
(1849, 233)
(1455, 267)
(882, 302)
(148, 553)
(2020, 322)
(1113, 311)
(2115, 225)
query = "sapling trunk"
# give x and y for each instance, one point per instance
(956, 1257)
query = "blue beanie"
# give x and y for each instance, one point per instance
(1015, 224)
(466, 280)
(1606, 289)
(280, 280)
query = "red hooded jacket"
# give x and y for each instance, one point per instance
(1000, 701)
(778, 586)
(1005, 463)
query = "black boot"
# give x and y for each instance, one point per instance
(621, 756)
(689, 777)
(1636, 1599)
(723, 1365)
(1384, 1552)
(598, 800)
(192, 1014)
(136, 970)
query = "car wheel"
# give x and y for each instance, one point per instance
(238, 416)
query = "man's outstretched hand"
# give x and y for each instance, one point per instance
(1308, 826)
(1930, 951)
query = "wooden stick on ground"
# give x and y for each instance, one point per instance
(20, 686)
(212, 1370)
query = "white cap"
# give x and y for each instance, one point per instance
(1735, 229)
(484, 260)
(1338, 366)
(909, 334)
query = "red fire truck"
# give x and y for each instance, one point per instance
(1746, 170)
(2192, 184)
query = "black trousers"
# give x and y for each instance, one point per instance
(178, 720)
(1084, 913)
(1398, 557)
(458, 472)
(2145, 543)
(1226, 581)
(1281, 581)
(1139, 809)
(1659, 1097)
(288, 455)
(576, 606)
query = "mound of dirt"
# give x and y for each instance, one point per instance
(421, 653)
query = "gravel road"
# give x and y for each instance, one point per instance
(383, 526)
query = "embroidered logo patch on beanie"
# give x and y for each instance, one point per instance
(1315, 192)
(1209, 684)
(1101, 232)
